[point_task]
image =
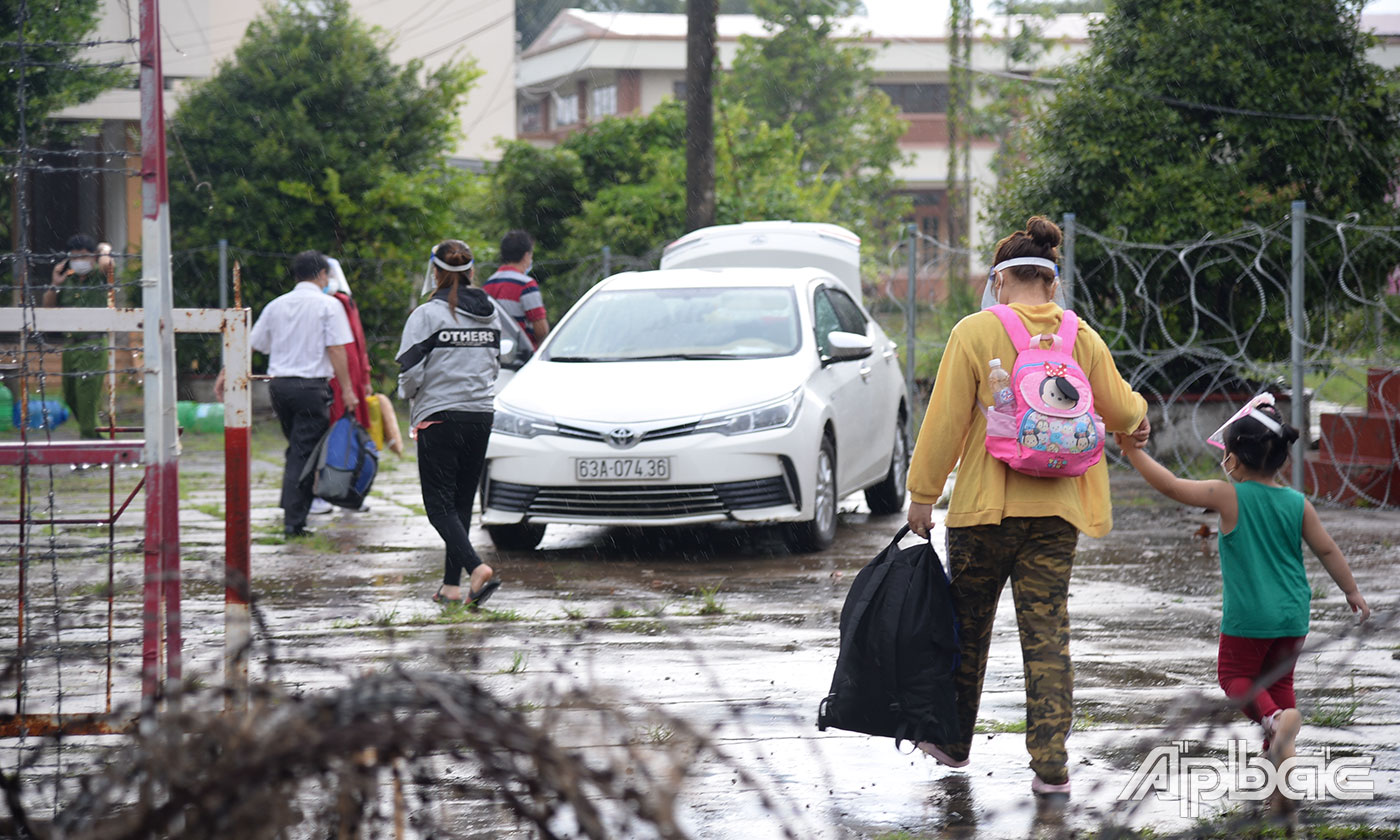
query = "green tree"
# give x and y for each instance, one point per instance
(310, 137)
(1187, 116)
(52, 76)
(820, 82)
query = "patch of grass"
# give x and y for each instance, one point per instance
(711, 604)
(461, 615)
(98, 589)
(517, 663)
(999, 726)
(656, 735)
(385, 618)
(1336, 715)
(619, 611)
(659, 610)
(641, 627)
(573, 613)
(209, 509)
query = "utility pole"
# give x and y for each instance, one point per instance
(701, 35)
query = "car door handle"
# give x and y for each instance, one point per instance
(864, 372)
(889, 353)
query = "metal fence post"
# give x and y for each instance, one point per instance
(223, 274)
(1300, 412)
(1067, 277)
(910, 323)
(607, 261)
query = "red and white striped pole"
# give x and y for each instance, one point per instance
(237, 493)
(162, 584)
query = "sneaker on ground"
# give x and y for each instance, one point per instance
(320, 505)
(940, 756)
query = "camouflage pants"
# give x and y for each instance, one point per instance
(1036, 553)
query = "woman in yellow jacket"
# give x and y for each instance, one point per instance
(1003, 524)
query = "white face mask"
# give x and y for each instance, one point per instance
(80, 266)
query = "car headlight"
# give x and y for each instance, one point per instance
(778, 414)
(519, 424)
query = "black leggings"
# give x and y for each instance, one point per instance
(450, 455)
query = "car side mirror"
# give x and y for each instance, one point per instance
(845, 346)
(510, 359)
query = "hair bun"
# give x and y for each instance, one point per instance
(1044, 232)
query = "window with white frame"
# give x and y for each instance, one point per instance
(602, 101)
(565, 110)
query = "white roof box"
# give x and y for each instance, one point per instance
(780, 244)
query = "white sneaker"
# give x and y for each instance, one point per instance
(320, 505)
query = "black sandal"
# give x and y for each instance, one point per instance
(477, 598)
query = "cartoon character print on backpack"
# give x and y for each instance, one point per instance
(1058, 417)
(1053, 431)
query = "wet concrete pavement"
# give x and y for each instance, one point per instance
(725, 630)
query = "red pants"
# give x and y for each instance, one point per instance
(1244, 664)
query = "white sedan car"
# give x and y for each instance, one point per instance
(689, 396)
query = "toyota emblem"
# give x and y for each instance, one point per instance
(622, 437)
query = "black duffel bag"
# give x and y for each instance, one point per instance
(899, 649)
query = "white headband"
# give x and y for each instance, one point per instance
(1266, 420)
(1038, 262)
(434, 261)
(445, 267)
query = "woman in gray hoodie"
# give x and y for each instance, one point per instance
(448, 359)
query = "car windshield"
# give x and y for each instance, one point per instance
(701, 323)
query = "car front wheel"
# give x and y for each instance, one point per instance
(819, 532)
(887, 497)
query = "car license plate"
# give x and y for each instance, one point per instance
(622, 469)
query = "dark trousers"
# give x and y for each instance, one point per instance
(303, 408)
(84, 370)
(450, 456)
(1036, 555)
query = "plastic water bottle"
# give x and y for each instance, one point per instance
(1003, 399)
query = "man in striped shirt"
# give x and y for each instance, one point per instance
(514, 290)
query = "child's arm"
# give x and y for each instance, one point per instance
(1336, 565)
(1216, 495)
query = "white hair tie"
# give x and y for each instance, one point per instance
(1267, 421)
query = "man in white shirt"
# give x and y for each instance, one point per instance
(305, 335)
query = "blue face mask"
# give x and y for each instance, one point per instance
(326, 289)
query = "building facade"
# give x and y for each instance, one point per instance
(589, 65)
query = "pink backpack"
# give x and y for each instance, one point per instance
(1053, 431)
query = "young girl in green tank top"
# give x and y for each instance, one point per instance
(1263, 525)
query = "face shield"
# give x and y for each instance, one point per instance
(336, 281)
(428, 279)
